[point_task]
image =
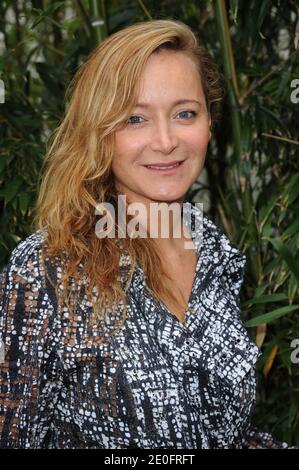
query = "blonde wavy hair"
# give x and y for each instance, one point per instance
(76, 175)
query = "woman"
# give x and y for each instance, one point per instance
(126, 341)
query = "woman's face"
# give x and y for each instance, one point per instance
(161, 130)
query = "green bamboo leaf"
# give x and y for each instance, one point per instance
(36, 22)
(4, 161)
(260, 290)
(292, 195)
(3, 243)
(234, 5)
(293, 413)
(246, 139)
(267, 351)
(71, 24)
(46, 13)
(270, 86)
(271, 316)
(267, 228)
(282, 216)
(265, 299)
(271, 266)
(287, 255)
(24, 201)
(11, 189)
(291, 190)
(15, 238)
(284, 82)
(292, 287)
(268, 208)
(264, 9)
(14, 204)
(291, 230)
(285, 353)
(49, 76)
(275, 117)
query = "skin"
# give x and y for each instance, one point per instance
(164, 132)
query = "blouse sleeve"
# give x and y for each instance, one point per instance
(25, 319)
(255, 439)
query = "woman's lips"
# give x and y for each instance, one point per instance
(163, 168)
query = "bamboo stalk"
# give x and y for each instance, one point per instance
(236, 119)
(284, 139)
(84, 17)
(147, 13)
(98, 19)
(230, 74)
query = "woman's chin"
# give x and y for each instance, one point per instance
(168, 198)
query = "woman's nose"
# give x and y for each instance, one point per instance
(164, 138)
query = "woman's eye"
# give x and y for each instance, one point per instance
(193, 113)
(135, 120)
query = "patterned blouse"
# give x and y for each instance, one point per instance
(156, 383)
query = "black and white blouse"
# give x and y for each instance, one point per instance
(156, 383)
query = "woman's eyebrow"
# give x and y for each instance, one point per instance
(182, 101)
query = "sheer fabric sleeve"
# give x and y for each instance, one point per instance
(26, 394)
(255, 439)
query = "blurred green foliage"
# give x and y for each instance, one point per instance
(252, 163)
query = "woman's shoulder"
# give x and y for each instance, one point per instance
(24, 259)
(214, 237)
(220, 252)
(220, 236)
(25, 304)
(31, 244)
